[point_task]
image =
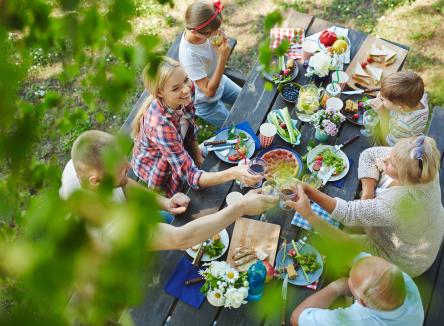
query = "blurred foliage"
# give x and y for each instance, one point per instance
(58, 262)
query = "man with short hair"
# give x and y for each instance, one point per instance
(87, 170)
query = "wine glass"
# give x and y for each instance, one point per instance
(257, 166)
(312, 180)
(370, 120)
(269, 188)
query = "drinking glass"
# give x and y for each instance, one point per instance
(287, 191)
(257, 166)
(370, 120)
(269, 188)
(312, 180)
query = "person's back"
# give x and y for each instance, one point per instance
(384, 296)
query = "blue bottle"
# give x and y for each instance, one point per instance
(256, 279)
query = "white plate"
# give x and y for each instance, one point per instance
(224, 237)
(315, 151)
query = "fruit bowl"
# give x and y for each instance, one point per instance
(289, 92)
(345, 38)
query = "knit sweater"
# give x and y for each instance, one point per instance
(405, 223)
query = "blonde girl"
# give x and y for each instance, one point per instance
(400, 208)
(162, 131)
(204, 62)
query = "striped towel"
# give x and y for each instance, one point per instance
(301, 222)
(278, 34)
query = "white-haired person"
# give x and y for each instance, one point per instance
(87, 170)
(383, 294)
(400, 209)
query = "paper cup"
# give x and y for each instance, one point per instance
(308, 49)
(267, 131)
(343, 78)
(335, 103)
(233, 198)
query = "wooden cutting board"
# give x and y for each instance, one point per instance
(362, 55)
(255, 234)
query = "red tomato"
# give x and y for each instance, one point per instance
(319, 158)
(356, 116)
(292, 252)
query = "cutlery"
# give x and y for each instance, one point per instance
(347, 142)
(200, 252)
(221, 142)
(361, 91)
(219, 148)
(284, 300)
(194, 280)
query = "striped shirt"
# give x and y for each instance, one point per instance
(407, 124)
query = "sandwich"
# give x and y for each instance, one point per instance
(390, 57)
(361, 75)
(375, 73)
(377, 54)
(243, 258)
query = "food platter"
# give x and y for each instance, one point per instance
(283, 136)
(311, 158)
(269, 75)
(300, 278)
(249, 142)
(350, 116)
(224, 238)
(281, 158)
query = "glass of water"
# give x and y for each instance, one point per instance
(269, 188)
(370, 120)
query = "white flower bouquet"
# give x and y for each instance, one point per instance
(320, 64)
(328, 121)
(224, 286)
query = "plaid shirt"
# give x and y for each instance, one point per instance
(159, 155)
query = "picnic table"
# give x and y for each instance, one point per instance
(253, 105)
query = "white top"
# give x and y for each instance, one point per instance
(199, 61)
(71, 183)
(405, 223)
(407, 124)
(409, 314)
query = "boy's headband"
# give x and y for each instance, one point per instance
(219, 7)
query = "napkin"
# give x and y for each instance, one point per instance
(301, 222)
(340, 183)
(245, 126)
(278, 34)
(340, 32)
(176, 284)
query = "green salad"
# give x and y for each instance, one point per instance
(215, 248)
(332, 160)
(307, 262)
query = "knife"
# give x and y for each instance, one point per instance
(347, 142)
(219, 148)
(220, 142)
(284, 300)
(361, 91)
(200, 252)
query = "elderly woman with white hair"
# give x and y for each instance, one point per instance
(400, 208)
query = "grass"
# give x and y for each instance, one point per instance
(418, 24)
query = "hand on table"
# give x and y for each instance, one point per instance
(255, 203)
(241, 173)
(341, 286)
(178, 204)
(301, 203)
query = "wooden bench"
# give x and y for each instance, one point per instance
(173, 52)
(431, 283)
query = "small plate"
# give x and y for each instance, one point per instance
(293, 121)
(224, 237)
(224, 135)
(315, 151)
(300, 278)
(292, 152)
(349, 115)
(268, 76)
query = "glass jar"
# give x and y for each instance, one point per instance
(308, 102)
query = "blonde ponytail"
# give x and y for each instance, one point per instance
(153, 84)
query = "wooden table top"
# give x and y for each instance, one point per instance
(253, 104)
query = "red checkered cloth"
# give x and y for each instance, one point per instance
(278, 34)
